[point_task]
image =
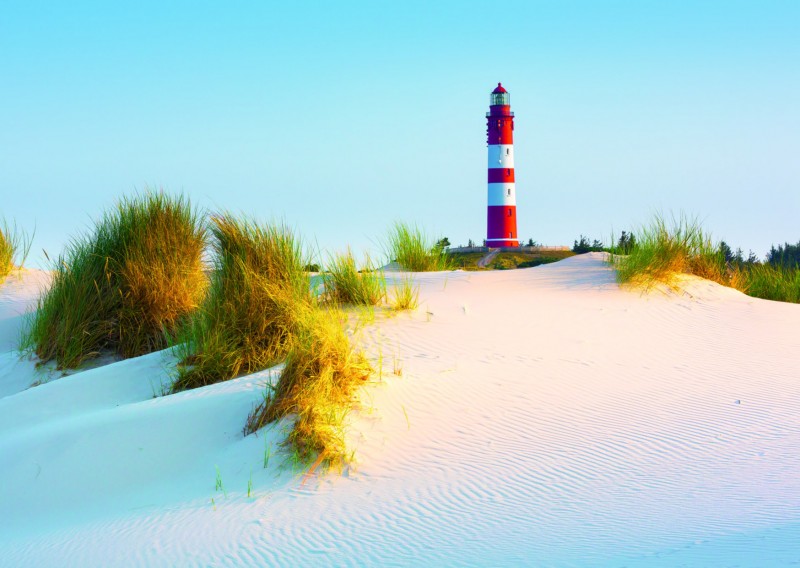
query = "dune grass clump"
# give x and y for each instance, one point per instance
(344, 283)
(316, 387)
(126, 286)
(258, 288)
(767, 281)
(261, 311)
(405, 296)
(14, 248)
(415, 251)
(664, 250)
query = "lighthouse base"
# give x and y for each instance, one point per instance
(501, 226)
(497, 243)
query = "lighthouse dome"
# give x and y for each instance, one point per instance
(500, 97)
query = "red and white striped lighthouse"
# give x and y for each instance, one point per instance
(501, 226)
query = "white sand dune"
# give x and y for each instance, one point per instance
(543, 417)
(18, 295)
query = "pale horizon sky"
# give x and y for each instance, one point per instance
(342, 117)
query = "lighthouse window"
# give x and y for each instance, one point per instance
(508, 171)
(507, 151)
(510, 235)
(509, 212)
(508, 192)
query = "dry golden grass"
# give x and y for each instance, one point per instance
(261, 311)
(126, 286)
(161, 278)
(405, 296)
(257, 286)
(7, 251)
(664, 251)
(317, 385)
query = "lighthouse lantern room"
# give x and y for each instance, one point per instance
(501, 226)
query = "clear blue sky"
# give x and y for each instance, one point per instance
(340, 117)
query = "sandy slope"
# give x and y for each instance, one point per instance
(18, 297)
(543, 417)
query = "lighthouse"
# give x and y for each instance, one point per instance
(501, 225)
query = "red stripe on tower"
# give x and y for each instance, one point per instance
(501, 219)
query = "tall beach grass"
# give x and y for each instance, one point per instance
(666, 248)
(779, 283)
(258, 287)
(345, 284)
(261, 311)
(414, 250)
(126, 286)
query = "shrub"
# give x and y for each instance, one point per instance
(582, 246)
(626, 243)
(415, 251)
(316, 386)
(14, 247)
(345, 284)
(246, 323)
(787, 255)
(125, 287)
(663, 250)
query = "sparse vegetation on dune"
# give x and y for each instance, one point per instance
(405, 296)
(126, 286)
(14, 247)
(260, 311)
(415, 251)
(345, 284)
(661, 251)
(316, 387)
(258, 285)
(779, 283)
(664, 250)
(583, 245)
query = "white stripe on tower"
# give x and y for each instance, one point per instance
(501, 194)
(501, 155)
